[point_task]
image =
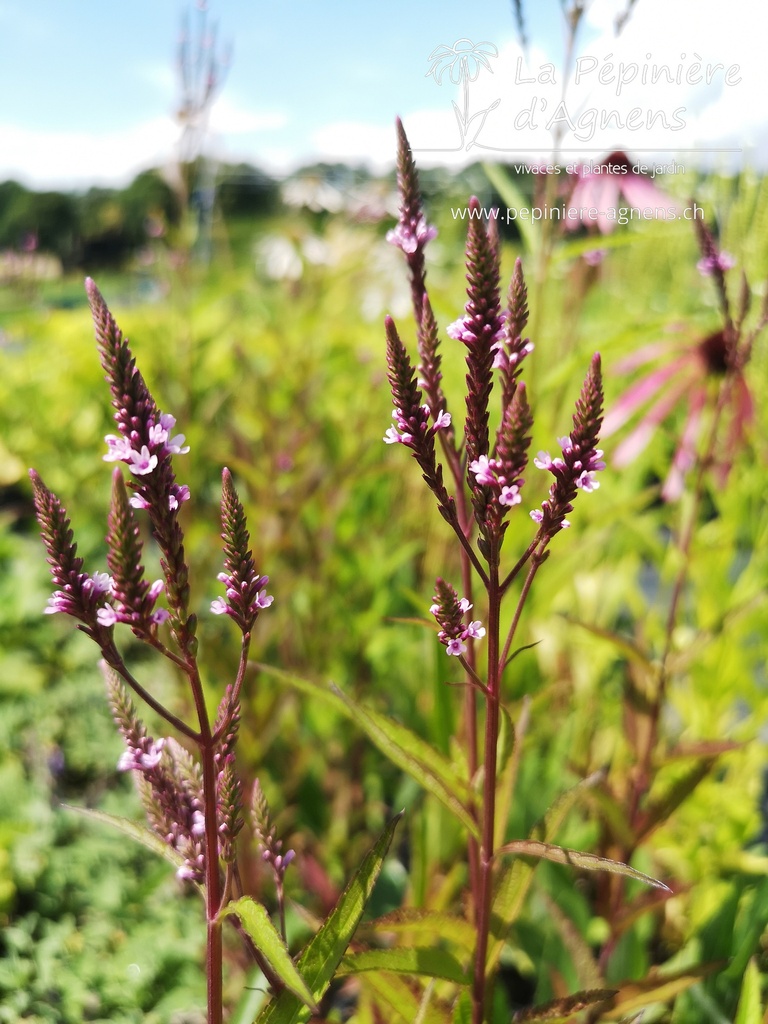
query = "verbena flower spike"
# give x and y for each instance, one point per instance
(193, 803)
(487, 476)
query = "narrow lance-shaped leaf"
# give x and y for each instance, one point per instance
(322, 955)
(515, 879)
(403, 1002)
(750, 1011)
(654, 988)
(413, 922)
(429, 961)
(573, 858)
(137, 832)
(561, 1010)
(257, 923)
(403, 747)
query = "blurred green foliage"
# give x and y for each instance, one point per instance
(272, 361)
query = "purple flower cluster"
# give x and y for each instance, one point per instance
(488, 472)
(715, 262)
(411, 233)
(168, 780)
(246, 593)
(142, 459)
(266, 832)
(580, 461)
(449, 611)
(409, 428)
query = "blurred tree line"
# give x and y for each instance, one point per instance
(106, 226)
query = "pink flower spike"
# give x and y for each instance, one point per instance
(721, 261)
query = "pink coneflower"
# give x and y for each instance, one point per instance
(604, 191)
(687, 377)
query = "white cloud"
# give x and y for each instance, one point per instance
(64, 159)
(229, 118)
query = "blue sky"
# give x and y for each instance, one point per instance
(89, 88)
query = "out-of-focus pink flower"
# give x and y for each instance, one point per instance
(604, 191)
(685, 378)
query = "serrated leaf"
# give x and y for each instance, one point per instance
(704, 748)
(564, 1008)
(139, 833)
(407, 1002)
(626, 645)
(750, 1011)
(655, 988)
(257, 923)
(614, 816)
(660, 808)
(576, 859)
(431, 922)
(515, 879)
(322, 955)
(426, 960)
(403, 747)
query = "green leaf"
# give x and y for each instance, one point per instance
(432, 962)
(403, 747)
(573, 858)
(750, 1011)
(139, 833)
(257, 923)
(462, 1011)
(507, 188)
(660, 808)
(428, 922)
(322, 955)
(632, 996)
(515, 879)
(625, 645)
(403, 1001)
(563, 1009)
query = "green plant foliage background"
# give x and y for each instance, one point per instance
(283, 380)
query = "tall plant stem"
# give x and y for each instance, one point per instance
(213, 952)
(470, 708)
(488, 810)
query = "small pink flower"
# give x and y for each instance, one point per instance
(721, 261)
(455, 647)
(142, 462)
